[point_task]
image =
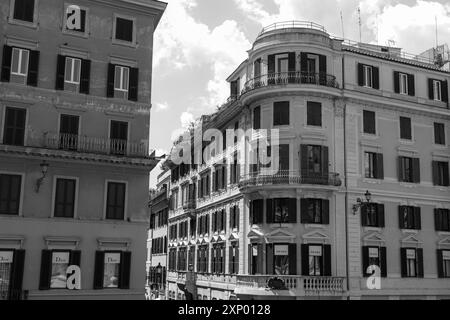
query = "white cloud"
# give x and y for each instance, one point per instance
(186, 118)
(161, 106)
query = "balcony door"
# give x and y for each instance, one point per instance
(314, 164)
(118, 137)
(68, 132)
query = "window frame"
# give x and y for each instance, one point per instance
(19, 63)
(437, 90)
(22, 189)
(3, 128)
(121, 89)
(33, 24)
(367, 76)
(411, 124)
(72, 71)
(444, 134)
(105, 204)
(364, 132)
(114, 29)
(104, 264)
(311, 104)
(277, 121)
(403, 83)
(75, 206)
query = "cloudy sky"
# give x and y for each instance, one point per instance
(198, 43)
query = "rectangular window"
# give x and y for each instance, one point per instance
(439, 133)
(403, 78)
(446, 263)
(24, 10)
(60, 263)
(405, 128)
(315, 260)
(121, 78)
(442, 219)
(281, 259)
(372, 215)
(72, 71)
(124, 29)
(367, 78)
(68, 132)
(314, 211)
(314, 159)
(411, 263)
(65, 198)
(409, 169)
(314, 114)
(10, 188)
(257, 118)
(14, 130)
(115, 203)
(281, 113)
(281, 210)
(373, 165)
(409, 217)
(19, 62)
(111, 270)
(437, 90)
(369, 122)
(6, 263)
(234, 259)
(441, 173)
(118, 137)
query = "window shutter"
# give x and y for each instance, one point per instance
(125, 270)
(16, 279)
(376, 77)
(269, 211)
(271, 64)
(325, 162)
(417, 220)
(435, 169)
(444, 89)
(380, 213)
(383, 262)
(134, 84)
(292, 259)
(304, 160)
(365, 260)
(404, 272)
(327, 260)
(249, 260)
(400, 217)
(379, 166)
(430, 89)
(303, 62)
(360, 74)
(325, 211)
(437, 220)
(416, 170)
(322, 64)
(46, 268)
(269, 259)
(411, 85)
(85, 75)
(293, 210)
(440, 263)
(396, 82)
(110, 81)
(400, 169)
(6, 63)
(260, 259)
(419, 253)
(305, 259)
(75, 258)
(99, 269)
(304, 211)
(60, 69)
(364, 216)
(33, 68)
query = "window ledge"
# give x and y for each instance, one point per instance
(369, 229)
(372, 180)
(32, 25)
(409, 184)
(113, 243)
(443, 233)
(69, 243)
(124, 43)
(84, 35)
(370, 136)
(410, 231)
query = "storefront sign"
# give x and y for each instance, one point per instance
(113, 258)
(6, 256)
(373, 252)
(446, 255)
(410, 254)
(60, 257)
(315, 251)
(281, 250)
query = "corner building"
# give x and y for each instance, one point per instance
(74, 159)
(352, 118)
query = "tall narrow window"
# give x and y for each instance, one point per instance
(14, 130)
(373, 165)
(369, 122)
(68, 132)
(403, 83)
(281, 113)
(439, 133)
(437, 90)
(118, 137)
(115, 203)
(72, 71)
(441, 173)
(19, 64)
(257, 118)
(405, 128)
(121, 81)
(65, 198)
(314, 114)
(10, 188)
(367, 76)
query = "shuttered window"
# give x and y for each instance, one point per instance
(409, 169)
(411, 262)
(441, 174)
(439, 133)
(281, 210)
(409, 217)
(314, 113)
(374, 256)
(115, 203)
(442, 219)
(112, 269)
(373, 165)
(14, 127)
(405, 128)
(316, 260)
(257, 118)
(372, 215)
(315, 211)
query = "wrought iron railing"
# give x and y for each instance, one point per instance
(291, 77)
(293, 24)
(261, 178)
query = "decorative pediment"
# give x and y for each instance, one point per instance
(316, 236)
(411, 239)
(199, 240)
(218, 238)
(192, 242)
(233, 236)
(255, 234)
(373, 237)
(205, 241)
(280, 235)
(444, 242)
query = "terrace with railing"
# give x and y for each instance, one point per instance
(292, 25)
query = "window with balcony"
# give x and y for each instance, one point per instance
(281, 210)
(373, 165)
(441, 174)
(65, 198)
(443, 263)
(369, 126)
(316, 260)
(255, 260)
(118, 137)
(314, 114)
(374, 256)
(368, 76)
(14, 126)
(409, 217)
(405, 128)
(315, 211)
(439, 133)
(372, 215)
(234, 171)
(68, 132)
(220, 178)
(281, 258)
(411, 262)
(409, 169)
(442, 219)
(24, 10)
(202, 259)
(10, 189)
(115, 201)
(257, 118)
(314, 163)
(281, 113)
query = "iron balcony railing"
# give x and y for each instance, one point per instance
(87, 144)
(261, 178)
(190, 204)
(292, 24)
(291, 77)
(305, 284)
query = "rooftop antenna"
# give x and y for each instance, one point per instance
(378, 31)
(436, 23)
(342, 26)
(359, 23)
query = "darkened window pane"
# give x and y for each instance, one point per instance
(10, 194)
(257, 118)
(115, 203)
(118, 137)
(369, 122)
(14, 132)
(65, 198)
(439, 133)
(314, 114)
(405, 128)
(124, 29)
(284, 157)
(24, 10)
(281, 113)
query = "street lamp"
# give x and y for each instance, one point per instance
(44, 168)
(360, 203)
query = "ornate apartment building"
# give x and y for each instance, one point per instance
(74, 160)
(351, 117)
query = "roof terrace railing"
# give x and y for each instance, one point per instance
(293, 24)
